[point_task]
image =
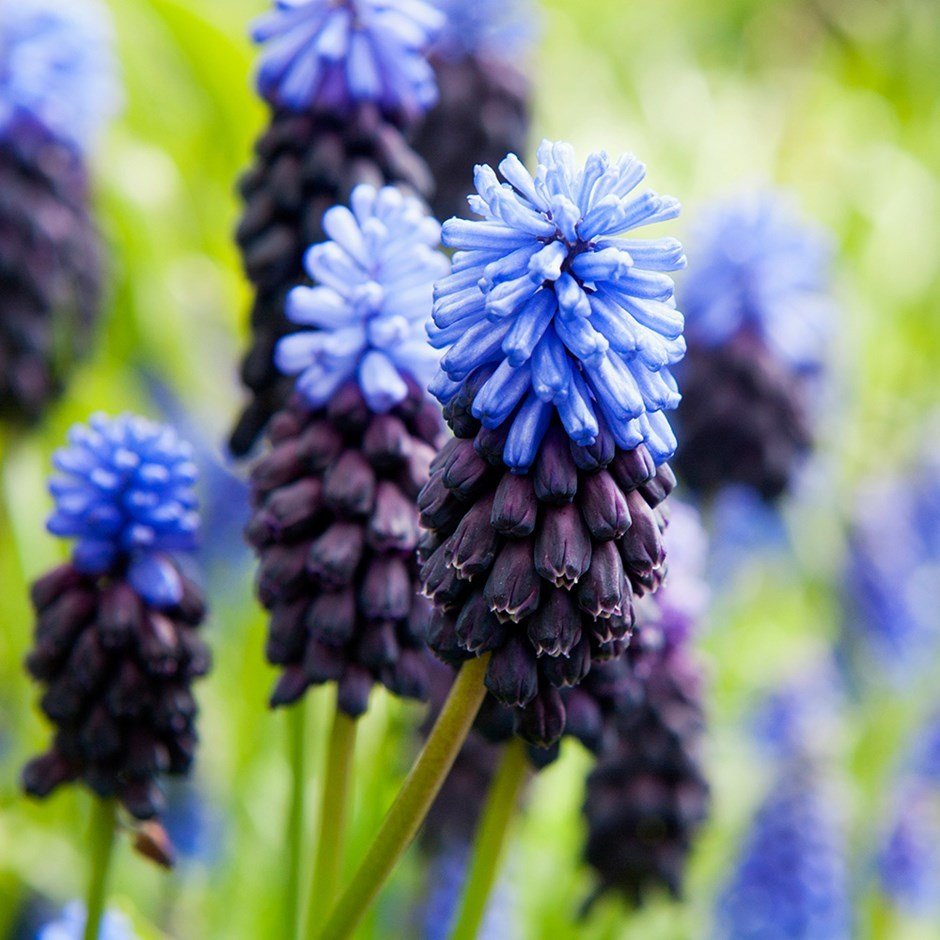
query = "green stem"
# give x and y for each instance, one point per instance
(296, 744)
(403, 820)
(334, 809)
(101, 843)
(491, 839)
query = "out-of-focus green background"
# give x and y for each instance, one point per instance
(837, 99)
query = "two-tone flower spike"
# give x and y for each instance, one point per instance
(543, 513)
(58, 86)
(344, 81)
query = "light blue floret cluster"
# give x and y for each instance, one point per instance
(759, 266)
(490, 29)
(329, 55)
(124, 491)
(365, 316)
(575, 317)
(57, 68)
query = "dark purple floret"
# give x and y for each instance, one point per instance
(305, 163)
(50, 269)
(482, 113)
(117, 672)
(744, 418)
(541, 568)
(335, 528)
(647, 797)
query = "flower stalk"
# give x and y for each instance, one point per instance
(296, 744)
(337, 791)
(101, 844)
(403, 820)
(491, 839)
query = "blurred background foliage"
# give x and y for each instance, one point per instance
(838, 100)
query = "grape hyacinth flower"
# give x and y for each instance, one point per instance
(758, 319)
(345, 82)
(791, 880)
(58, 87)
(891, 630)
(71, 925)
(908, 861)
(116, 644)
(648, 796)
(542, 512)
(335, 522)
(484, 108)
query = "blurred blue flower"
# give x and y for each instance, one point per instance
(194, 826)
(125, 493)
(801, 718)
(71, 925)
(908, 862)
(891, 585)
(572, 316)
(447, 876)
(332, 54)
(501, 30)
(365, 316)
(742, 526)
(791, 881)
(57, 68)
(759, 267)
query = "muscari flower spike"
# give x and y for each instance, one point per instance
(326, 136)
(335, 522)
(363, 318)
(761, 268)
(791, 880)
(484, 108)
(891, 631)
(328, 55)
(543, 514)
(58, 72)
(757, 320)
(117, 645)
(125, 493)
(574, 317)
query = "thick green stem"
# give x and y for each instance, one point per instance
(101, 846)
(403, 820)
(491, 840)
(334, 809)
(294, 837)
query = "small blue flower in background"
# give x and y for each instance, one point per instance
(892, 620)
(743, 527)
(759, 267)
(71, 925)
(908, 863)
(196, 829)
(125, 493)
(332, 54)
(365, 316)
(447, 876)
(501, 30)
(791, 880)
(57, 68)
(572, 316)
(801, 718)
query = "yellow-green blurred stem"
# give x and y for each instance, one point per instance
(296, 814)
(333, 814)
(101, 850)
(491, 841)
